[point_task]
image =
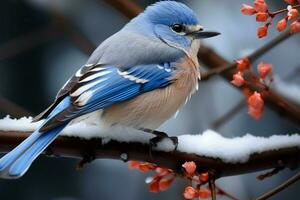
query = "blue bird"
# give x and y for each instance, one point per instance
(138, 77)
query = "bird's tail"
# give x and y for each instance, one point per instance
(15, 163)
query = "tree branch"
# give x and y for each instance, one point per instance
(252, 57)
(281, 187)
(79, 148)
(280, 105)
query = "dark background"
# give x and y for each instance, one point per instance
(31, 73)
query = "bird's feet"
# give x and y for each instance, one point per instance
(159, 137)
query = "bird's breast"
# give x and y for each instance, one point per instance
(151, 109)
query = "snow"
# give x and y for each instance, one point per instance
(209, 143)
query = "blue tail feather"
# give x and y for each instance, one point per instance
(9, 158)
(15, 163)
(21, 165)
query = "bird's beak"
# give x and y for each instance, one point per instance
(204, 34)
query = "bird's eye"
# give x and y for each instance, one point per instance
(178, 28)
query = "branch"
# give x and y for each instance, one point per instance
(280, 105)
(78, 148)
(281, 187)
(224, 66)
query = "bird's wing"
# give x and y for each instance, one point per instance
(64, 91)
(101, 86)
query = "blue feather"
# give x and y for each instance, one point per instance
(113, 89)
(171, 12)
(17, 153)
(21, 165)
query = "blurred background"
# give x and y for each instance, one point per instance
(39, 52)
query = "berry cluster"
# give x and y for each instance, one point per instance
(262, 13)
(254, 100)
(163, 179)
(199, 180)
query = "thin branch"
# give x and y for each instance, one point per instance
(276, 102)
(79, 148)
(273, 14)
(212, 185)
(281, 187)
(222, 192)
(252, 57)
(12, 109)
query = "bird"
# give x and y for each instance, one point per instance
(139, 77)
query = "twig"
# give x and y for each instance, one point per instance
(273, 14)
(12, 109)
(212, 185)
(252, 57)
(279, 104)
(222, 192)
(79, 148)
(270, 173)
(281, 187)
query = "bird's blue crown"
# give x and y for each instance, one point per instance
(171, 12)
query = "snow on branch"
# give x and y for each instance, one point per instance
(210, 150)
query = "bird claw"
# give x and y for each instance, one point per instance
(154, 141)
(159, 136)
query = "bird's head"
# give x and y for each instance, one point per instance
(173, 23)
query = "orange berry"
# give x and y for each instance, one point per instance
(133, 164)
(295, 27)
(293, 14)
(262, 17)
(247, 10)
(190, 193)
(154, 186)
(292, 2)
(203, 177)
(190, 167)
(145, 167)
(262, 31)
(243, 64)
(204, 193)
(264, 70)
(165, 183)
(238, 79)
(281, 25)
(255, 105)
(260, 6)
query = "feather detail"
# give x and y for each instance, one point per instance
(151, 109)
